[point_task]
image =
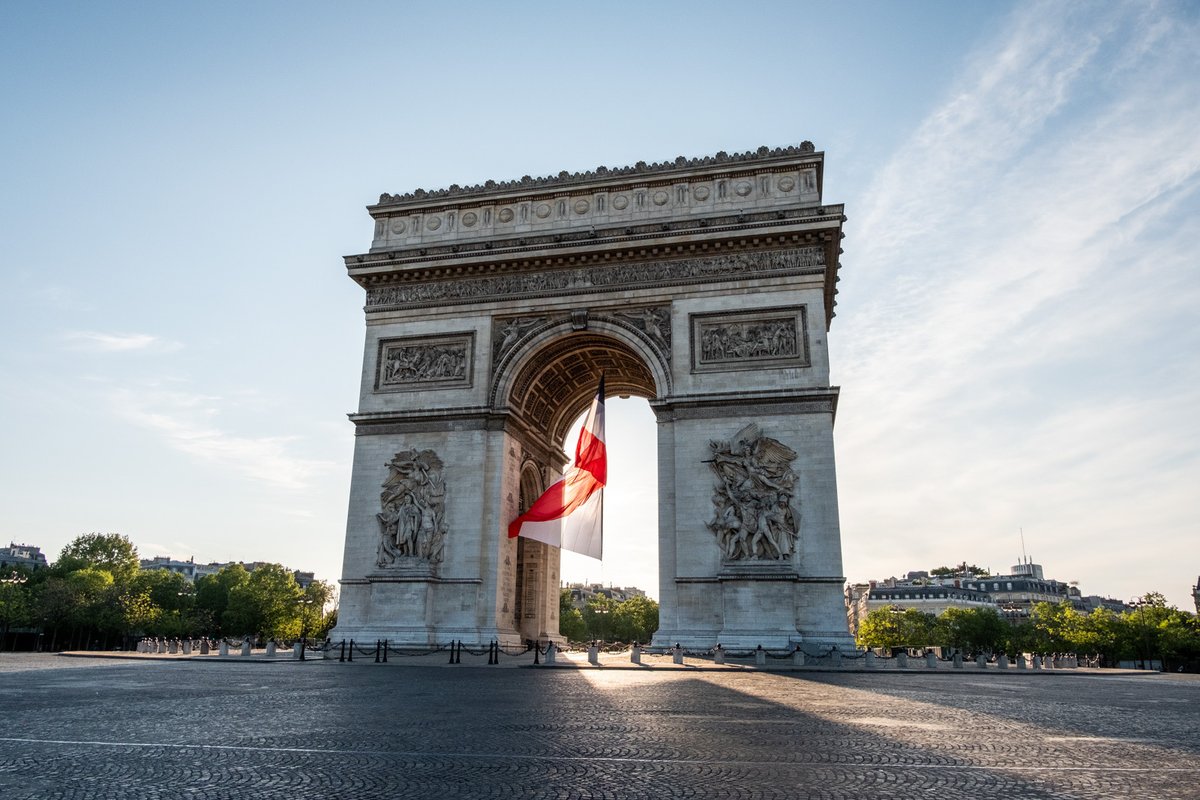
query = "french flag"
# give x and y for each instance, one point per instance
(570, 514)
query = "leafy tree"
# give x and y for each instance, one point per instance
(635, 619)
(265, 605)
(894, 627)
(975, 630)
(212, 596)
(947, 572)
(597, 614)
(111, 552)
(16, 607)
(570, 619)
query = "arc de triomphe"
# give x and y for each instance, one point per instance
(705, 286)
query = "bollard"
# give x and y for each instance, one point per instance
(342, 657)
(677, 654)
(551, 652)
(635, 654)
(1002, 661)
(1021, 661)
(204, 648)
(376, 651)
(593, 654)
(835, 657)
(187, 647)
(223, 649)
(797, 657)
(1037, 662)
(981, 661)
(458, 652)
(931, 660)
(246, 647)
(492, 657)
(958, 660)
(451, 652)
(385, 649)
(760, 657)
(536, 652)
(719, 655)
(902, 659)
(869, 659)
(350, 652)
(296, 651)
(271, 649)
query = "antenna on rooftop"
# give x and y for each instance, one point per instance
(1024, 557)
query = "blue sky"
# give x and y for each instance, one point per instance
(1017, 333)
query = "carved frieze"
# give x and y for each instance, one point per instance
(761, 339)
(653, 321)
(595, 279)
(425, 362)
(507, 332)
(412, 524)
(754, 518)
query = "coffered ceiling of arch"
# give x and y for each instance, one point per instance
(557, 385)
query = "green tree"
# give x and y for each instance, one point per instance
(570, 619)
(598, 616)
(893, 627)
(16, 606)
(111, 552)
(635, 619)
(975, 630)
(266, 605)
(212, 596)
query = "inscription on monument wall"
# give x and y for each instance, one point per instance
(412, 524)
(767, 338)
(424, 362)
(752, 501)
(599, 278)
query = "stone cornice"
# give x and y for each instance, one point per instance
(763, 156)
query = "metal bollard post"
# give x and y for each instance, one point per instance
(458, 652)
(719, 655)
(635, 654)
(798, 658)
(342, 657)
(385, 649)
(350, 654)
(550, 653)
(760, 657)
(930, 660)
(376, 651)
(869, 659)
(537, 651)
(902, 659)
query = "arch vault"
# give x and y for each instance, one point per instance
(705, 286)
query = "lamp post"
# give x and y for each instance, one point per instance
(1140, 604)
(304, 603)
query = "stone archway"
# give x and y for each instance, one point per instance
(705, 286)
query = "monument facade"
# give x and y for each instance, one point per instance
(705, 286)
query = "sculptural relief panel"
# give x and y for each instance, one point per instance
(412, 516)
(763, 339)
(425, 362)
(754, 518)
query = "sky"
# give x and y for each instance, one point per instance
(1017, 331)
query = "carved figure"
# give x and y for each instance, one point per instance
(413, 503)
(752, 501)
(510, 333)
(654, 322)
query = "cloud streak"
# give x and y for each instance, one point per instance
(1018, 294)
(101, 342)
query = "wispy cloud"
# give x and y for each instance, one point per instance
(189, 422)
(101, 342)
(1018, 298)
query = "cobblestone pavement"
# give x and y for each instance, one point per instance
(84, 728)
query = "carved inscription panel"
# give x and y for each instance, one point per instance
(425, 362)
(767, 338)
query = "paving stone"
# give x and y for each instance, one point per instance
(83, 728)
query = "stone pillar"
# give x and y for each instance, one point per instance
(204, 646)
(760, 657)
(593, 654)
(930, 659)
(869, 659)
(271, 649)
(797, 657)
(224, 649)
(296, 651)
(902, 660)
(1021, 661)
(1002, 661)
(187, 647)
(551, 653)
(981, 661)
(719, 655)
(635, 655)
(1037, 661)
(677, 654)
(835, 658)
(245, 647)
(958, 664)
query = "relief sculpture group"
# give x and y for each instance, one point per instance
(754, 519)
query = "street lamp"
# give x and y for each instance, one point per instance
(1140, 605)
(304, 602)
